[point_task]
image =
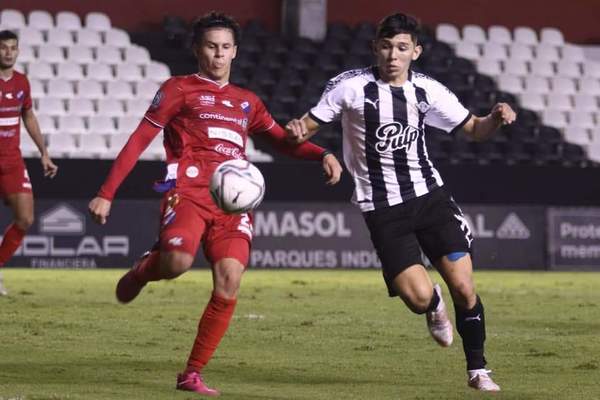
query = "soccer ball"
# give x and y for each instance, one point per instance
(237, 186)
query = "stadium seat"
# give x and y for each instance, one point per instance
(515, 67)
(594, 152)
(568, 69)
(37, 88)
(11, 19)
(88, 37)
(474, 34)
(591, 69)
(157, 72)
(21, 67)
(573, 53)
(26, 53)
(495, 51)
(101, 125)
(137, 107)
(41, 20)
(68, 20)
(536, 84)
(581, 119)
(90, 89)
(467, 50)
(554, 118)
(47, 124)
(510, 83)
(100, 71)
(447, 33)
(585, 86)
(60, 37)
(110, 107)
(499, 34)
(146, 89)
(525, 35)
(97, 21)
(520, 51)
(563, 85)
(61, 145)
(559, 102)
(127, 124)
(547, 52)
(551, 36)
(115, 144)
(51, 106)
(61, 88)
(70, 71)
(595, 135)
(80, 54)
(119, 90)
(28, 147)
(109, 55)
(90, 146)
(117, 37)
(541, 68)
(81, 107)
(51, 54)
(533, 101)
(137, 55)
(30, 36)
(128, 72)
(71, 124)
(585, 102)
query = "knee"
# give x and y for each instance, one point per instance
(174, 264)
(463, 294)
(24, 222)
(228, 279)
(418, 299)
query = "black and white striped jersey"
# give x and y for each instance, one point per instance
(384, 131)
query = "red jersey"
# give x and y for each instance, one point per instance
(204, 124)
(15, 97)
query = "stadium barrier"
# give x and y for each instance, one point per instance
(311, 235)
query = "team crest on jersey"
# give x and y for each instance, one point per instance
(20, 94)
(8, 95)
(245, 107)
(423, 107)
(206, 100)
(157, 99)
(227, 103)
(395, 136)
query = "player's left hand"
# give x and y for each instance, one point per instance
(503, 114)
(297, 131)
(333, 169)
(50, 169)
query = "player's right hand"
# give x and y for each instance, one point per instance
(297, 130)
(99, 209)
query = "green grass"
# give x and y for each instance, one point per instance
(295, 335)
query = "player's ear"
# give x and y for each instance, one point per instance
(234, 51)
(417, 52)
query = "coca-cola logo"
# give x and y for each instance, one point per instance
(229, 151)
(394, 136)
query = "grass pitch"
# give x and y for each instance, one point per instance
(295, 335)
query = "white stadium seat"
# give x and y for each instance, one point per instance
(595, 135)
(109, 55)
(554, 118)
(88, 37)
(10, 19)
(40, 70)
(30, 36)
(47, 124)
(499, 34)
(61, 145)
(21, 67)
(581, 119)
(119, 90)
(51, 106)
(102, 125)
(474, 34)
(97, 21)
(117, 37)
(552, 36)
(41, 19)
(593, 151)
(28, 147)
(146, 90)
(157, 71)
(495, 51)
(70, 71)
(591, 68)
(548, 52)
(536, 84)
(100, 71)
(447, 33)
(128, 72)
(560, 102)
(137, 55)
(137, 107)
(533, 101)
(563, 85)
(577, 135)
(516, 67)
(573, 53)
(90, 89)
(510, 83)
(60, 37)
(72, 124)
(26, 53)
(467, 50)
(520, 51)
(525, 35)
(81, 107)
(91, 146)
(127, 124)
(541, 68)
(51, 54)
(568, 69)
(110, 107)
(68, 20)
(37, 88)
(589, 86)
(61, 88)
(80, 54)
(115, 144)
(585, 102)
(489, 67)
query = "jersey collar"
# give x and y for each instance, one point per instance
(221, 86)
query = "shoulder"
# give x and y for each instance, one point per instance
(242, 93)
(20, 77)
(350, 78)
(432, 86)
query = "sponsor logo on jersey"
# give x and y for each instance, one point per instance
(245, 107)
(395, 136)
(243, 122)
(8, 95)
(9, 133)
(192, 171)
(176, 241)
(229, 151)
(372, 103)
(227, 103)
(157, 99)
(225, 134)
(206, 100)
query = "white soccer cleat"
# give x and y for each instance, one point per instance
(438, 322)
(480, 379)
(3, 291)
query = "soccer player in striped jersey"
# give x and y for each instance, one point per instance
(386, 111)
(206, 121)
(15, 187)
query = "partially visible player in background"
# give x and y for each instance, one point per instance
(15, 187)
(386, 112)
(206, 120)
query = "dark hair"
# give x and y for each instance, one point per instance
(8, 35)
(394, 24)
(214, 20)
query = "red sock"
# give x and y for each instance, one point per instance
(149, 269)
(13, 236)
(211, 329)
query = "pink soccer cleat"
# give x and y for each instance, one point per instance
(479, 379)
(438, 322)
(192, 382)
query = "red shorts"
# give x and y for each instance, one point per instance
(14, 177)
(185, 223)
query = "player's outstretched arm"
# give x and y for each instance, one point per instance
(300, 130)
(481, 128)
(33, 128)
(332, 167)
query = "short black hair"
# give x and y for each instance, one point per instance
(214, 20)
(397, 23)
(8, 35)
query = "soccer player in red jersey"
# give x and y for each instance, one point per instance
(206, 120)
(15, 187)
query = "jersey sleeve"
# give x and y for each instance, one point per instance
(260, 119)
(27, 102)
(333, 101)
(167, 103)
(446, 112)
